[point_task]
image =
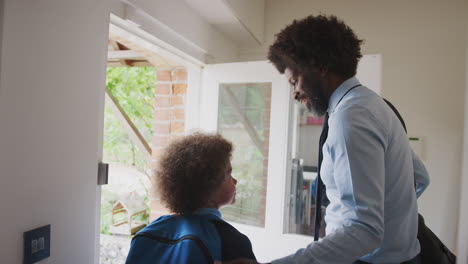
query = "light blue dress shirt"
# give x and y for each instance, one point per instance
(369, 171)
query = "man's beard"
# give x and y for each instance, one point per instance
(317, 105)
(314, 93)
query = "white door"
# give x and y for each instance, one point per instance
(250, 104)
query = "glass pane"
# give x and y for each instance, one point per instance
(244, 118)
(301, 191)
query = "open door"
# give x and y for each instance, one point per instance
(250, 104)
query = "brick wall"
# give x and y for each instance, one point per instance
(169, 120)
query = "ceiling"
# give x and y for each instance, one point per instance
(240, 20)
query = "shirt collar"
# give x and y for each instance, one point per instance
(339, 92)
(213, 211)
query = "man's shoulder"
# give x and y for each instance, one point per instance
(361, 103)
(358, 115)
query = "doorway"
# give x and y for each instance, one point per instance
(144, 110)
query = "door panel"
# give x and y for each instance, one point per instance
(252, 100)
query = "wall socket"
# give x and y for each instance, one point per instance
(36, 244)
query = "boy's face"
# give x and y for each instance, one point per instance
(227, 190)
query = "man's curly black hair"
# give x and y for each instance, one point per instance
(317, 41)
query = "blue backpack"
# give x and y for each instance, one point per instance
(177, 239)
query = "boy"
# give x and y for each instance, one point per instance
(194, 181)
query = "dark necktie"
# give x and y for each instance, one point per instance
(319, 190)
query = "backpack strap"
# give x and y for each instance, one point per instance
(397, 114)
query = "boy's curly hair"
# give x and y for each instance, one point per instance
(190, 170)
(317, 41)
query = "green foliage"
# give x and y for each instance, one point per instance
(118, 147)
(133, 87)
(106, 215)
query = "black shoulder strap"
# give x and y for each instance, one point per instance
(397, 114)
(402, 123)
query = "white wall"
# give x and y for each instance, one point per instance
(422, 45)
(51, 108)
(463, 219)
(1, 34)
(308, 144)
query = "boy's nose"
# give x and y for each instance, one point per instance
(234, 180)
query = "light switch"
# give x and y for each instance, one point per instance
(36, 244)
(41, 243)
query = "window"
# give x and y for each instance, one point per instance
(244, 118)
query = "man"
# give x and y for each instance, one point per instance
(368, 167)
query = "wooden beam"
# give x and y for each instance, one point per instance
(116, 46)
(231, 98)
(140, 64)
(115, 64)
(124, 55)
(155, 59)
(132, 131)
(129, 64)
